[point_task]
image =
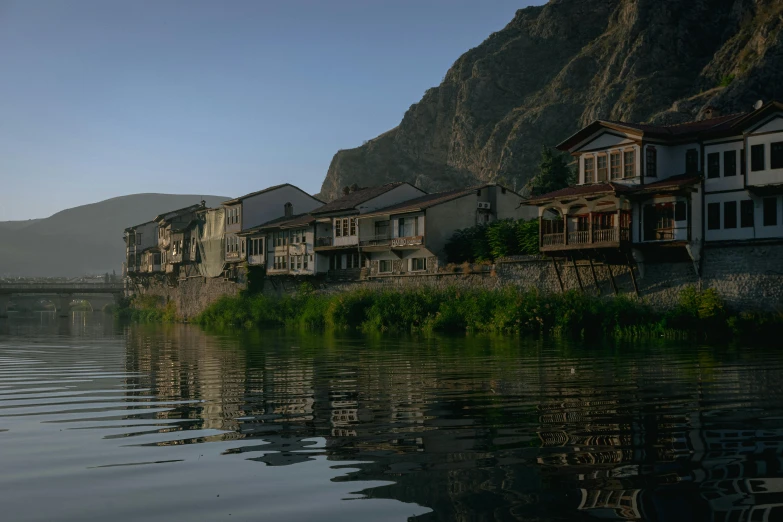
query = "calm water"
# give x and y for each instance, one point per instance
(103, 422)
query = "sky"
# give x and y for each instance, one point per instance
(102, 98)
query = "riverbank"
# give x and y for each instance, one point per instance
(510, 310)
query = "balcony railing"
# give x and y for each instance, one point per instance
(583, 237)
(407, 241)
(324, 242)
(376, 240)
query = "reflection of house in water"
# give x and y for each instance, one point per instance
(611, 503)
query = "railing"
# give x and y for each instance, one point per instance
(324, 242)
(407, 241)
(552, 239)
(376, 240)
(667, 234)
(607, 235)
(580, 236)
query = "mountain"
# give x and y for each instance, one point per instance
(85, 239)
(556, 68)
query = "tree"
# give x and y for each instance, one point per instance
(553, 174)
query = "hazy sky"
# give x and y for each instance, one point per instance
(101, 98)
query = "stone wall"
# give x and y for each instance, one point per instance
(747, 277)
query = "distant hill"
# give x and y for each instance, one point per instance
(85, 239)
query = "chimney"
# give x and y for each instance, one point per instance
(710, 111)
(354, 187)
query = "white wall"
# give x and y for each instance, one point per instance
(508, 205)
(267, 206)
(395, 223)
(724, 182)
(671, 160)
(768, 133)
(732, 233)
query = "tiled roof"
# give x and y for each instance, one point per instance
(429, 200)
(299, 220)
(353, 199)
(673, 182)
(268, 189)
(178, 212)
(581, 190)
(682, 129)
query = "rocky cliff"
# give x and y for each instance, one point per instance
(557, 67)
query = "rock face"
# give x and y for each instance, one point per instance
(556, 68)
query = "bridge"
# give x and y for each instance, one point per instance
(62, 293)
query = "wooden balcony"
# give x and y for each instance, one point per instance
(376, 240)
(407, 242)
(583, 239)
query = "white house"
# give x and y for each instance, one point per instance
(285, 246)
(409, 237)
(337, 233)
(138, 239)
(256, 208)
(642, 187)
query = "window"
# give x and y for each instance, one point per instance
(713, 165)
(385, 266)
(406, 227)
(304, 262)
(381, 229)
(680, 211)
(602, 168)
(776, 155)
(418, 263)
(652, 162)
(615, 165)
(352, 261)
(298, 262)
(713, 216)
(338, 230)
(345, 227)
(730, 214)
(288, 210)
(757, 158)
(691, 161)
(629, 164)
(743, 166)
(770, 212)
(353, 226)
(243, 245)
(589, 169)
(746, 213)
(280, 263)
(729, 163)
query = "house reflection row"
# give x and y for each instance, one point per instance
(650, 191)
(623, 463)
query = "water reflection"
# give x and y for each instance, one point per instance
(448, 428)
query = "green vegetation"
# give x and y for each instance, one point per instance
(726, 80)
(146, 308)
(489, 242)
(553, 173)
(699, 315)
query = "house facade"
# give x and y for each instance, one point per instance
(284, 246)
(666, 191)
(336, 227)
(174, 237)
(257, 208)
(410, 237)
(138, 239)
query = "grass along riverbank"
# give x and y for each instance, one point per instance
(699, 315)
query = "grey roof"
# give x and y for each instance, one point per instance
(353, 199)
(178, 212)
(430, 200)
(299, 220)
(268, 189)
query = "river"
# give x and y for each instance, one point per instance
(100, 421)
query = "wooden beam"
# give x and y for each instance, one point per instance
(578, 277)
(595, 278)
(633, 275)
(611, 276)
(559, 279)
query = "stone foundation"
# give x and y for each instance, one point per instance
(748, 277)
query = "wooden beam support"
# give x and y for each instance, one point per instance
(578, 277)
(595, 278)
(557, 271)
(633, 275)
(611, 276)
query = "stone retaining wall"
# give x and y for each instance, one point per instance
(747, 277)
